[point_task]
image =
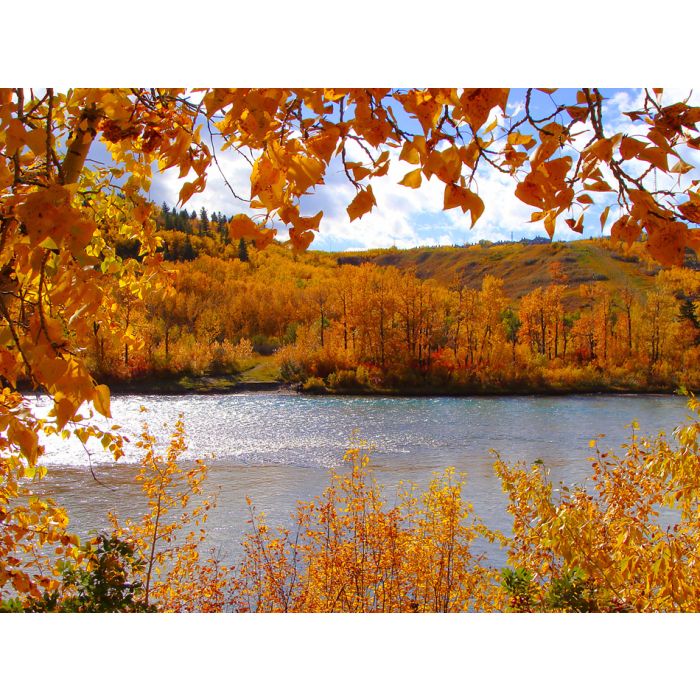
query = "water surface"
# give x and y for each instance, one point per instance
(277, 448)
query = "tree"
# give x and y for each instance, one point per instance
(63, 216)
(243, 251)
(203, 221)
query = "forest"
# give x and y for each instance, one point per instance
(101, 288)
(342, 323)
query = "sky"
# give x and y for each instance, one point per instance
(406, 217)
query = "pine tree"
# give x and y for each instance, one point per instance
(167, 219)
(184, 222)
(243, 251)
(203, 222)
(188, 252)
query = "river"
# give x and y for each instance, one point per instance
(277, 448)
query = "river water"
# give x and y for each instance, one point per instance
(277, 449)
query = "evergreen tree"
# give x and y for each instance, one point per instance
(243, 251)
(188, 252)
(203, 221)
(184, 222)
(167, 219)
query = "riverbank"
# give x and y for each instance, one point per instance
(233, 384)
(175, 386)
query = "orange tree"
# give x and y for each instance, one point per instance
(62, 216)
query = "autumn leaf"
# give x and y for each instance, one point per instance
(65, 410)
(691, 211)
(305, 173)
(101, 400)
(515, 138)
(363, 202)
(630, 148)
(412, 179)
(242, 226)
(625, 229)
(301, 240)
(528, 192)
(456, 196)
(477, 103)
(656, 156)
(25, 438)
(666, 240)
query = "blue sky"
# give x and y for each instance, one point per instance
(406, 217)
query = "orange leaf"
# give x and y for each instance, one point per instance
(301, 241)
(101, 400)
(362, 203)
(691, 211)
(242, 226)
(517, 139)
(456, 196)
(656, 157)
(625, 229)
(65, 410)
(265, 237)
(477, 104)
(412, 179)
(529, 193)
(630, 148)
(601, 149)
(666, 240)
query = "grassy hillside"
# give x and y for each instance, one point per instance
(524, 266)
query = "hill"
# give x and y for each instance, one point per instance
(525, 265)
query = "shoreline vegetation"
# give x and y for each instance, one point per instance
(487, 319)
(229, 384)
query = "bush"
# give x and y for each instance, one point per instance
(314, 385)
(292, 372)
(344, 380)
(107, 580)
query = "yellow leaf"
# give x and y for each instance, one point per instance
(305, 173)
(26, 439)
(101, 400)
(65, 410)
(412, 179)
(517, 139)
(410, 153)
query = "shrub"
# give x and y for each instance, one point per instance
(314, 385)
